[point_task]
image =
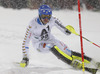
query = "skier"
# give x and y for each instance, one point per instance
(39, 32)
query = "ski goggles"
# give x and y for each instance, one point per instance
(46, 16)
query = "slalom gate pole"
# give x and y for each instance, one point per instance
(82, 54)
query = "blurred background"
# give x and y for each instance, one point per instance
(93, 5)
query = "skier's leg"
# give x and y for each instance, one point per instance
(61, 55)
(71, 57)
(64, 53)
(88, 62)
(77, 57)
(66, 58)
(76, 62)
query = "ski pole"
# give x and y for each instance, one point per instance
(71, 29)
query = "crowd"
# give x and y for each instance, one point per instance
(15, 4)
(55, 4)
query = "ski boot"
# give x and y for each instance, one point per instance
(76, 64)
(98, 65)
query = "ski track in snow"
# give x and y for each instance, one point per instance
(12, 29)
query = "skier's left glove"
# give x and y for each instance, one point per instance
(68, 32)
(24, 62)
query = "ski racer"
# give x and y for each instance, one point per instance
(39, 32)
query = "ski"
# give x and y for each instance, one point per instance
(17, 64)
(35, 67)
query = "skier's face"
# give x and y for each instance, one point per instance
(45, 18)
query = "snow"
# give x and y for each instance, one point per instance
(13, 25)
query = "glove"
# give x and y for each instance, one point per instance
(24, 62)
(68, 32)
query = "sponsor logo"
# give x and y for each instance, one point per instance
(59, 24)
(26, 47)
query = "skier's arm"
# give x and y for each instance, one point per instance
(25, 47)
(61, 27)
(25, 44)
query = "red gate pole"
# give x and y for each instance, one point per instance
(82, 53)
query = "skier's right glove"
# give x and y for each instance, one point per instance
(24, 62)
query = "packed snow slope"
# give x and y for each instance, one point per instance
(13, 25)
